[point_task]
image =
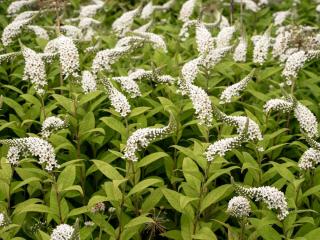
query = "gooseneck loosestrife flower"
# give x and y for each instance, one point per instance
(118, 100)
(50, 125)
(88, 82)
(240, 52)
(68, 54)
(33, 146)
(34, 69)
(122, 25)
(141, 138)
(64, 232)
(307, 120)
(261, 47)
(236, 89)
(239, 207)
(187, 10)
(272, 197)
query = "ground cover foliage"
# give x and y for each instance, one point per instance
(159, 120)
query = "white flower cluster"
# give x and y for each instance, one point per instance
(88, 82)
(239, 122)
(281, 43)
(280, 17)
(309, 159)
(190, 70)
(224, 37)
(239, 207)
(34, 69)
(240, 52)
(40, 32)
(204, 40)
(3, 220)
(235, 89)
(122, 25)
(272, 197)
(98, 207)
(90, 11)
(278, 105)
(143, 28)
(141, 138)
(8, 56)
(68, 54)
(307, 120)
(105, 58)
(214, 56)
(184, 31)
(34, 146)
(12, 30)
(50, 125)
(16, 6)
(149, 8)
(201, 103)
(261, 47)
(118, 100)
(293, 64)
(221, 147)
(72, 32)
(249, 5)
(63, 232)
(155, 39)
(187, 10)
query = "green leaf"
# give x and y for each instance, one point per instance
(216, 195)
(138, 221)
(151, 158)
(144, 184)
(114, 124)
(108, 170)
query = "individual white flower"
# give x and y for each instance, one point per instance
(309, 159)
(12, 30)
(71, 31)
(34, 146)
(235, 89)
(272, 197)
(224, 37)
(293, 64)
(239, 207)
(89, 223)
(50, 125)
(222, 146)
(39, 31)
(34, 69)
(278, 105)
(147, 10)
(129, 85)
(118, 100)
(68, 54)
(63, 232)
(307, 120)
(203, 38)
(88, 82)
(280, 17)
(201, 103)
(16, 6)
(123, 24)
(187, 10)
(141, 138)
(261, 47)
(240, 52)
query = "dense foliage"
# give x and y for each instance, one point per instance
(159, 120)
